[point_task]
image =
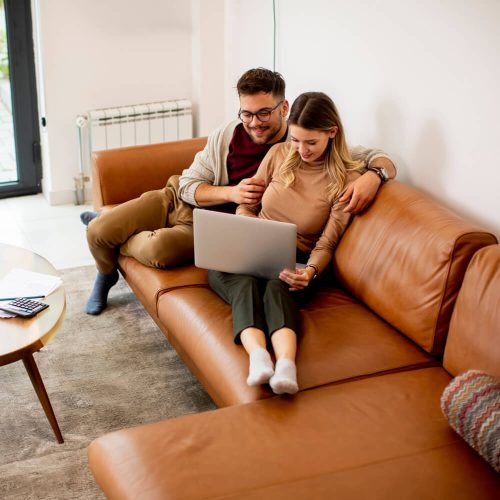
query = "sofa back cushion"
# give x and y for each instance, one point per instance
(405, 258)
(474, 336)
(123, 174)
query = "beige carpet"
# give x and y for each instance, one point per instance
(102, 373)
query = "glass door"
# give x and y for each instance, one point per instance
(20, 159)
(8, 166)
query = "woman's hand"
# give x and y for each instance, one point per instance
(298, 279)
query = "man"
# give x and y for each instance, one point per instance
(156, 228)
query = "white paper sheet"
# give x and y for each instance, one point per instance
(5, 314)
(21, 283)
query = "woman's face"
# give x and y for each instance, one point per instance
(309, 143)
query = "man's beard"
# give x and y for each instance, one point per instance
(268, 133)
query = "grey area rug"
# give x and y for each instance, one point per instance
(102, 373)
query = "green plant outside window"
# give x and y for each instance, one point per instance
(4, 54)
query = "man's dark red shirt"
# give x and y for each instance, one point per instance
(244, 155)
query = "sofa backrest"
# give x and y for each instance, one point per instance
(474, 337)
(123, 174)
(405, 258)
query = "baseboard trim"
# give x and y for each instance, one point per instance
(68, 197)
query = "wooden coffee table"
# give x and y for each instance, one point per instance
(20, 338)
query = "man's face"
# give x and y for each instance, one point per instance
(264, 132)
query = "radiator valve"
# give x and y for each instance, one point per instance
(81, 121)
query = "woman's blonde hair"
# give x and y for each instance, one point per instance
(316, 111)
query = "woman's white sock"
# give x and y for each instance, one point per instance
(261, 367)
(284, 380)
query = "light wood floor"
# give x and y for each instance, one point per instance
(54, 232)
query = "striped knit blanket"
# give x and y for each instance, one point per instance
(471, 403)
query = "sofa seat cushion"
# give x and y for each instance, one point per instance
(340, 340)
(149, 283)
(404, 478)
(381, 437)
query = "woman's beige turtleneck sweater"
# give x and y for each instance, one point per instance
(320, 223)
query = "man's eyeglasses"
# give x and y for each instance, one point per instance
(262, 115)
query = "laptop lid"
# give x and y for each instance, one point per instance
(243, 245)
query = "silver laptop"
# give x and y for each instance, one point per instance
(243, 245)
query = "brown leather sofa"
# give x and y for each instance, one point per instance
(366, 422)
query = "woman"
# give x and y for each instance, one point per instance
(304, 179)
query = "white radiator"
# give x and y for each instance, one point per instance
(133, 125)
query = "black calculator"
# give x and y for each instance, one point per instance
(23, 307)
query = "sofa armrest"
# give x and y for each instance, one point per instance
(123, 174)
(474, 337)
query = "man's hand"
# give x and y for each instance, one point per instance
(248, 191)
(361, 192)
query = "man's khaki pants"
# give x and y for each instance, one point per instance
(156, 229)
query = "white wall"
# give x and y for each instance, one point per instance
(98, 54)
(248, 44)
(208, 57)
(419, 79)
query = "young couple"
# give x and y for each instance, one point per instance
(312, 179)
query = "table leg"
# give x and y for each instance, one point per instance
(36, 380)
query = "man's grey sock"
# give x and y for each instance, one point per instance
(88, 216)
(98, 299)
